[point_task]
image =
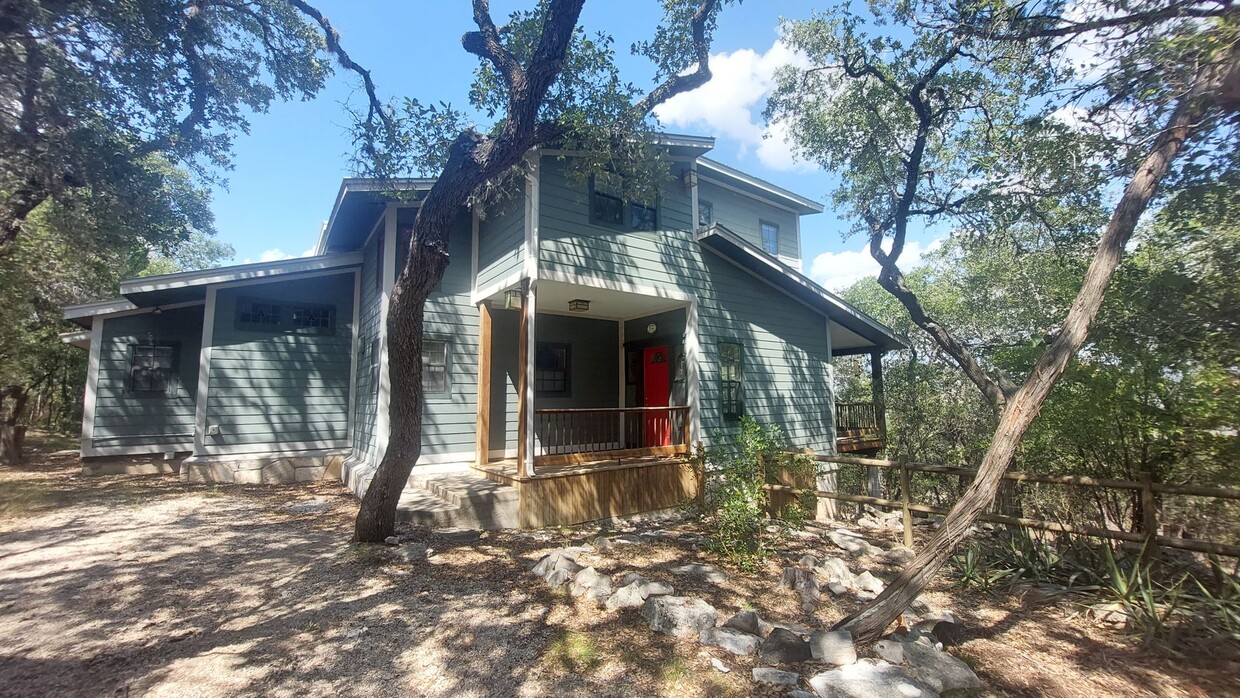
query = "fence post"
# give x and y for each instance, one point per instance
(904, 500)
(1149, 514)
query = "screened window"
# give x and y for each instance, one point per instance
(730, 375)
(150, 368)
(706, 214)
(609, 206)
(258, 315)
(319, 319)
(434, 366)
(770, 237)
(552, 368)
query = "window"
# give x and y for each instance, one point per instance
(258, 315)
(434, 366)
(374, 365)
(150, 369)
(609, 207)
(706, 214)
(552, 368)
(770, 237)
(730, 375)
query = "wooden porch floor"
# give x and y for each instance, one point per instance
(507, 468)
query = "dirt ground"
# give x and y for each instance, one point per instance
(128, 585)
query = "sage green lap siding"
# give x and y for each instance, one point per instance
(741, 214)
(142, 422)
(504, 328)
(450, 419)
(786, 353)
(501, 233)
(364, 409)
(275, 389)
(594, 361)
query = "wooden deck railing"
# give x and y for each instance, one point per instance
(576, 435)
(857, 427)
(1146, 486)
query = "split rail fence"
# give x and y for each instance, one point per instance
(1146, 486)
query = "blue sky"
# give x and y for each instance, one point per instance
(288, 169)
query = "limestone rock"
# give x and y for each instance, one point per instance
(412, 552)
(602, 543)
(783, 646)
(869, 678)
(899, 555)
(628, 540)
(848, 541)
(775, 676)
(588, 582)
(557, 560)
(391, 540)
(679, 616)
(749, 622)
(937, 668)
(730, 640)
(870, 583)
(656, 589)
(890, 650)
(837, 588)
(719, 665)
(833, 647)
(627, 596)
(835, 570)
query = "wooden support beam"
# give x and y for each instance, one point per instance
(483, 444)
(880, 416)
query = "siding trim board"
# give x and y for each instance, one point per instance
(91, 398)
(204, 372)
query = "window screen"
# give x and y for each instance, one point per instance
(258, 315)
(150, 368)
(706, 214)
(770, 238)
(434, 366)
(730, 375)
(552, 367)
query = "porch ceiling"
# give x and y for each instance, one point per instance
(553, 297)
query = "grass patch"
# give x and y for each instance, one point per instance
(20, 499)
(675, 676)
(575, 652)
(366, 554)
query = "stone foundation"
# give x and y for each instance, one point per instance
(257, 469)
(154, 464)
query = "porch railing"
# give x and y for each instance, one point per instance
(855, 417)
(575, 435)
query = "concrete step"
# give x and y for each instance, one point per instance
(458, 500)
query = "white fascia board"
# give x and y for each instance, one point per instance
(776, 191)
(240, 273)
(107, 307)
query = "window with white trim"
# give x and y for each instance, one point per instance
(151, 369)
(552, 369)
(608, 205)
(770, 237)
(731, 384)
(434, 366)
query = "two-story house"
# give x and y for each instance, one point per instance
(577, 347)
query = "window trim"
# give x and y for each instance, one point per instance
(626, 206)
(447, 367)
(739, 407)
(285, 323)
(762, 237)
(567, 392)
(172, 388)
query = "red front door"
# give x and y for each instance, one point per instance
(657, 391)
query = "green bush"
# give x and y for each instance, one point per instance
(736, 501)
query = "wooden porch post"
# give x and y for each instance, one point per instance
(880, 415)
(483, 451)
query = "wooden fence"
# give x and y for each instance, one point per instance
(1146, 486)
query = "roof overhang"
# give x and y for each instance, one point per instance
(150, 291)
(358, 207)
(733, 177)
(83, 314)
(80, 340)
(732, 247)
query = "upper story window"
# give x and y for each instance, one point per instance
(552, 367)
(706, 214)
(608, 205)
(261, 315)
(770, 237)
(731, 386)
(434, 366)
(150, 369)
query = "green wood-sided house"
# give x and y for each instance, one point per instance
(576, 348)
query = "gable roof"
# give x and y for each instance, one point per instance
(755, 186)
(731, 246)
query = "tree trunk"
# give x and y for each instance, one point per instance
(12, 432)
(1023, 407)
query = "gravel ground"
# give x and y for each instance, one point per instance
(148, 586)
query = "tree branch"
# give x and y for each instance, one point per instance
(485, 44)
(677, 84)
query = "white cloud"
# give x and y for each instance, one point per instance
(730, 105)
(838, 270)
(276, 254)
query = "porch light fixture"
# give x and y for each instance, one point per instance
(689, 178)
(579, 305)
(513, 298)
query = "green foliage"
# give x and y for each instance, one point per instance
(736, 502)
(575, 653)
